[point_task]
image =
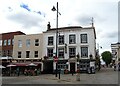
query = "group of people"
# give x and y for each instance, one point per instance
(32, 72)
(117, 66)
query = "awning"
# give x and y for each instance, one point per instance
(27, 64)
(20, 64)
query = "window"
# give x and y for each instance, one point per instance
(61, 39)
(36, 54)
(28, 42)
(84, 52)
(19, 43)
(9, 41)
(50, 52)
(50, 40)
(72, 52)
(27, 54)
(0, 42)
(5, 42)
(61, 53)
(83, 38)
(19, 54)
(0, 53)
(72, 39)
(4, 53)
(62, 66)
(12, 41)
(36, 42)
(8, 53)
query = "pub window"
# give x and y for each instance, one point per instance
(83, 38)
(61, 53)
(72, 39)
(84, 52)
(50, 52)
(61, 39)
(50, 40)
(72, 52)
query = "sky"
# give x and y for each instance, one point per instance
(32, 17)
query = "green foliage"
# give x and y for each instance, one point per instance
(107, 57)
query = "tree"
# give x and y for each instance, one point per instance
(107, 57)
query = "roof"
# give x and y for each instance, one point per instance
(71, 27)
(5, 57)
(13, 32)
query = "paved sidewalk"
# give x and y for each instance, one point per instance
(104, 76)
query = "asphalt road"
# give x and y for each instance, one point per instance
(104, 76)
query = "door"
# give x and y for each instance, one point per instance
(72, 67)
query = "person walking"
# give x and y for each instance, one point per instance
(114, 67)
(72, 72)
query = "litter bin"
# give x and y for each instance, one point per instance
(78, 77)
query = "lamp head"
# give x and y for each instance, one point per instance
(53, 9)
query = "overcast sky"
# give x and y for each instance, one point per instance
(32, 16)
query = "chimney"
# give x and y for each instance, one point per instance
(48, 26)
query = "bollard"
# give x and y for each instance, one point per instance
(59, 74)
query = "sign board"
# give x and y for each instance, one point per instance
(55, 59)
(72, 60)
(92, 64)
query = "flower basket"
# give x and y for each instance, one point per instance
(78, 71)
(66, 71)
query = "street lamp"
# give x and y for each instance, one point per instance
(54, 9)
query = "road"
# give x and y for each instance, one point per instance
(104, 76)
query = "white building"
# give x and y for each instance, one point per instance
(72, 41)
(115, 48)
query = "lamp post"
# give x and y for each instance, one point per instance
(56, 55)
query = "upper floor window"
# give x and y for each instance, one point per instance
(72, 52)
(28, 42)
(19, 43)
(0, 42)
(19, 54)
(50, 52)
(84, 52)
(61, 53)
(83, 38)
(36, 54)
(12, 41)
(36, 42)
(50, 40)
(61, 39)
(5, 42)
(9, 41)
(72, 39)
(27, 54)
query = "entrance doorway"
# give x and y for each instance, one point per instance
(72, 67)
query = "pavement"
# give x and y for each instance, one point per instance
(104, 76)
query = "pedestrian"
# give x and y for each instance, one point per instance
(72, 72)
(25, 72)
(114, 67)
(35, 72)
(18, 71)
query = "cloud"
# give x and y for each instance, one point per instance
(26, 19)
(110, 35)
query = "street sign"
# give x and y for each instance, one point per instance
(55, 59)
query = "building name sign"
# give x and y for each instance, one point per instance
(72, 60)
